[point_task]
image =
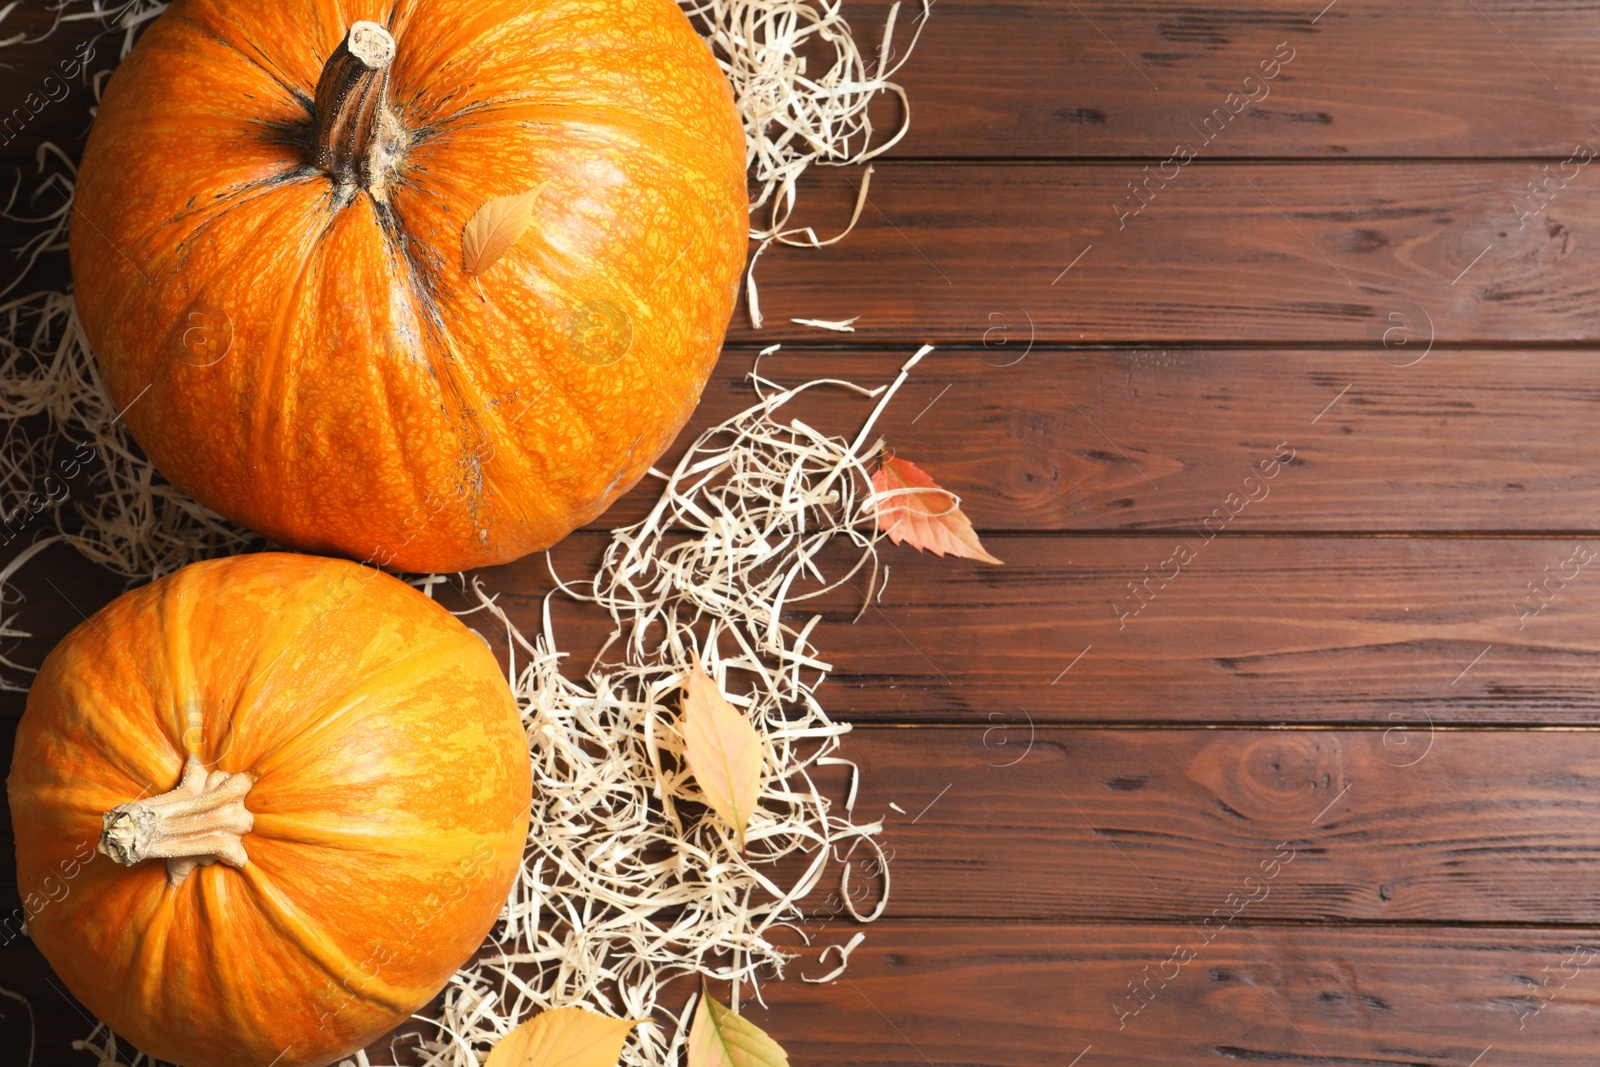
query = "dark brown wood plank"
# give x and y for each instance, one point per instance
(1011, 820)
(1221, 253)
(1041, 78)
(1024, 995)
(1251, 630)
(1158, 438)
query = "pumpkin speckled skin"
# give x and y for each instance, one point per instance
(390, 805)
(311, 359)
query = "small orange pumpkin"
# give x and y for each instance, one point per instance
(265, 807)
(268, 261)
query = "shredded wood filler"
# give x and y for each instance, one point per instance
(625, 886)
(794, 117)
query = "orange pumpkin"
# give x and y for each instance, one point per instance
(265, 807)
(268, 261)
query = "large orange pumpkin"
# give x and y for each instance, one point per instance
(267, 254)
(321, 783)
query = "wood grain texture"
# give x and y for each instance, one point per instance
(1151, 439)
(1221, 253)
(1041, 78)
(1011, 820)
(1025, 995)
(1297, 630)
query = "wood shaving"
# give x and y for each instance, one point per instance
(795, 118)
(837, 326)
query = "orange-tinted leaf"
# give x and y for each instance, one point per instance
(720, 1037)
(724, 751)
(563, 1037)
(913, 510)
(494, 228)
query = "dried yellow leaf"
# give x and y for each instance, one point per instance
(720, 1037)
(563, 1037)
(494, 228)
(724, 751)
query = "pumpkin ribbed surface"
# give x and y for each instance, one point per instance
(389, 788)
(307, 354)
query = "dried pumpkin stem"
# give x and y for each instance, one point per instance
(356, 134)
(200, 822)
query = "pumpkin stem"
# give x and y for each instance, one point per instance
(356, 134)
(200, 822)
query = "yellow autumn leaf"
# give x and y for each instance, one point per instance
(724, 751)
(494, 228)
(720, 1037)
(563, 1037)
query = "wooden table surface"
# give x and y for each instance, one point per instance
(1274, 741)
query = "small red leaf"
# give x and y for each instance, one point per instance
(913, 510)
